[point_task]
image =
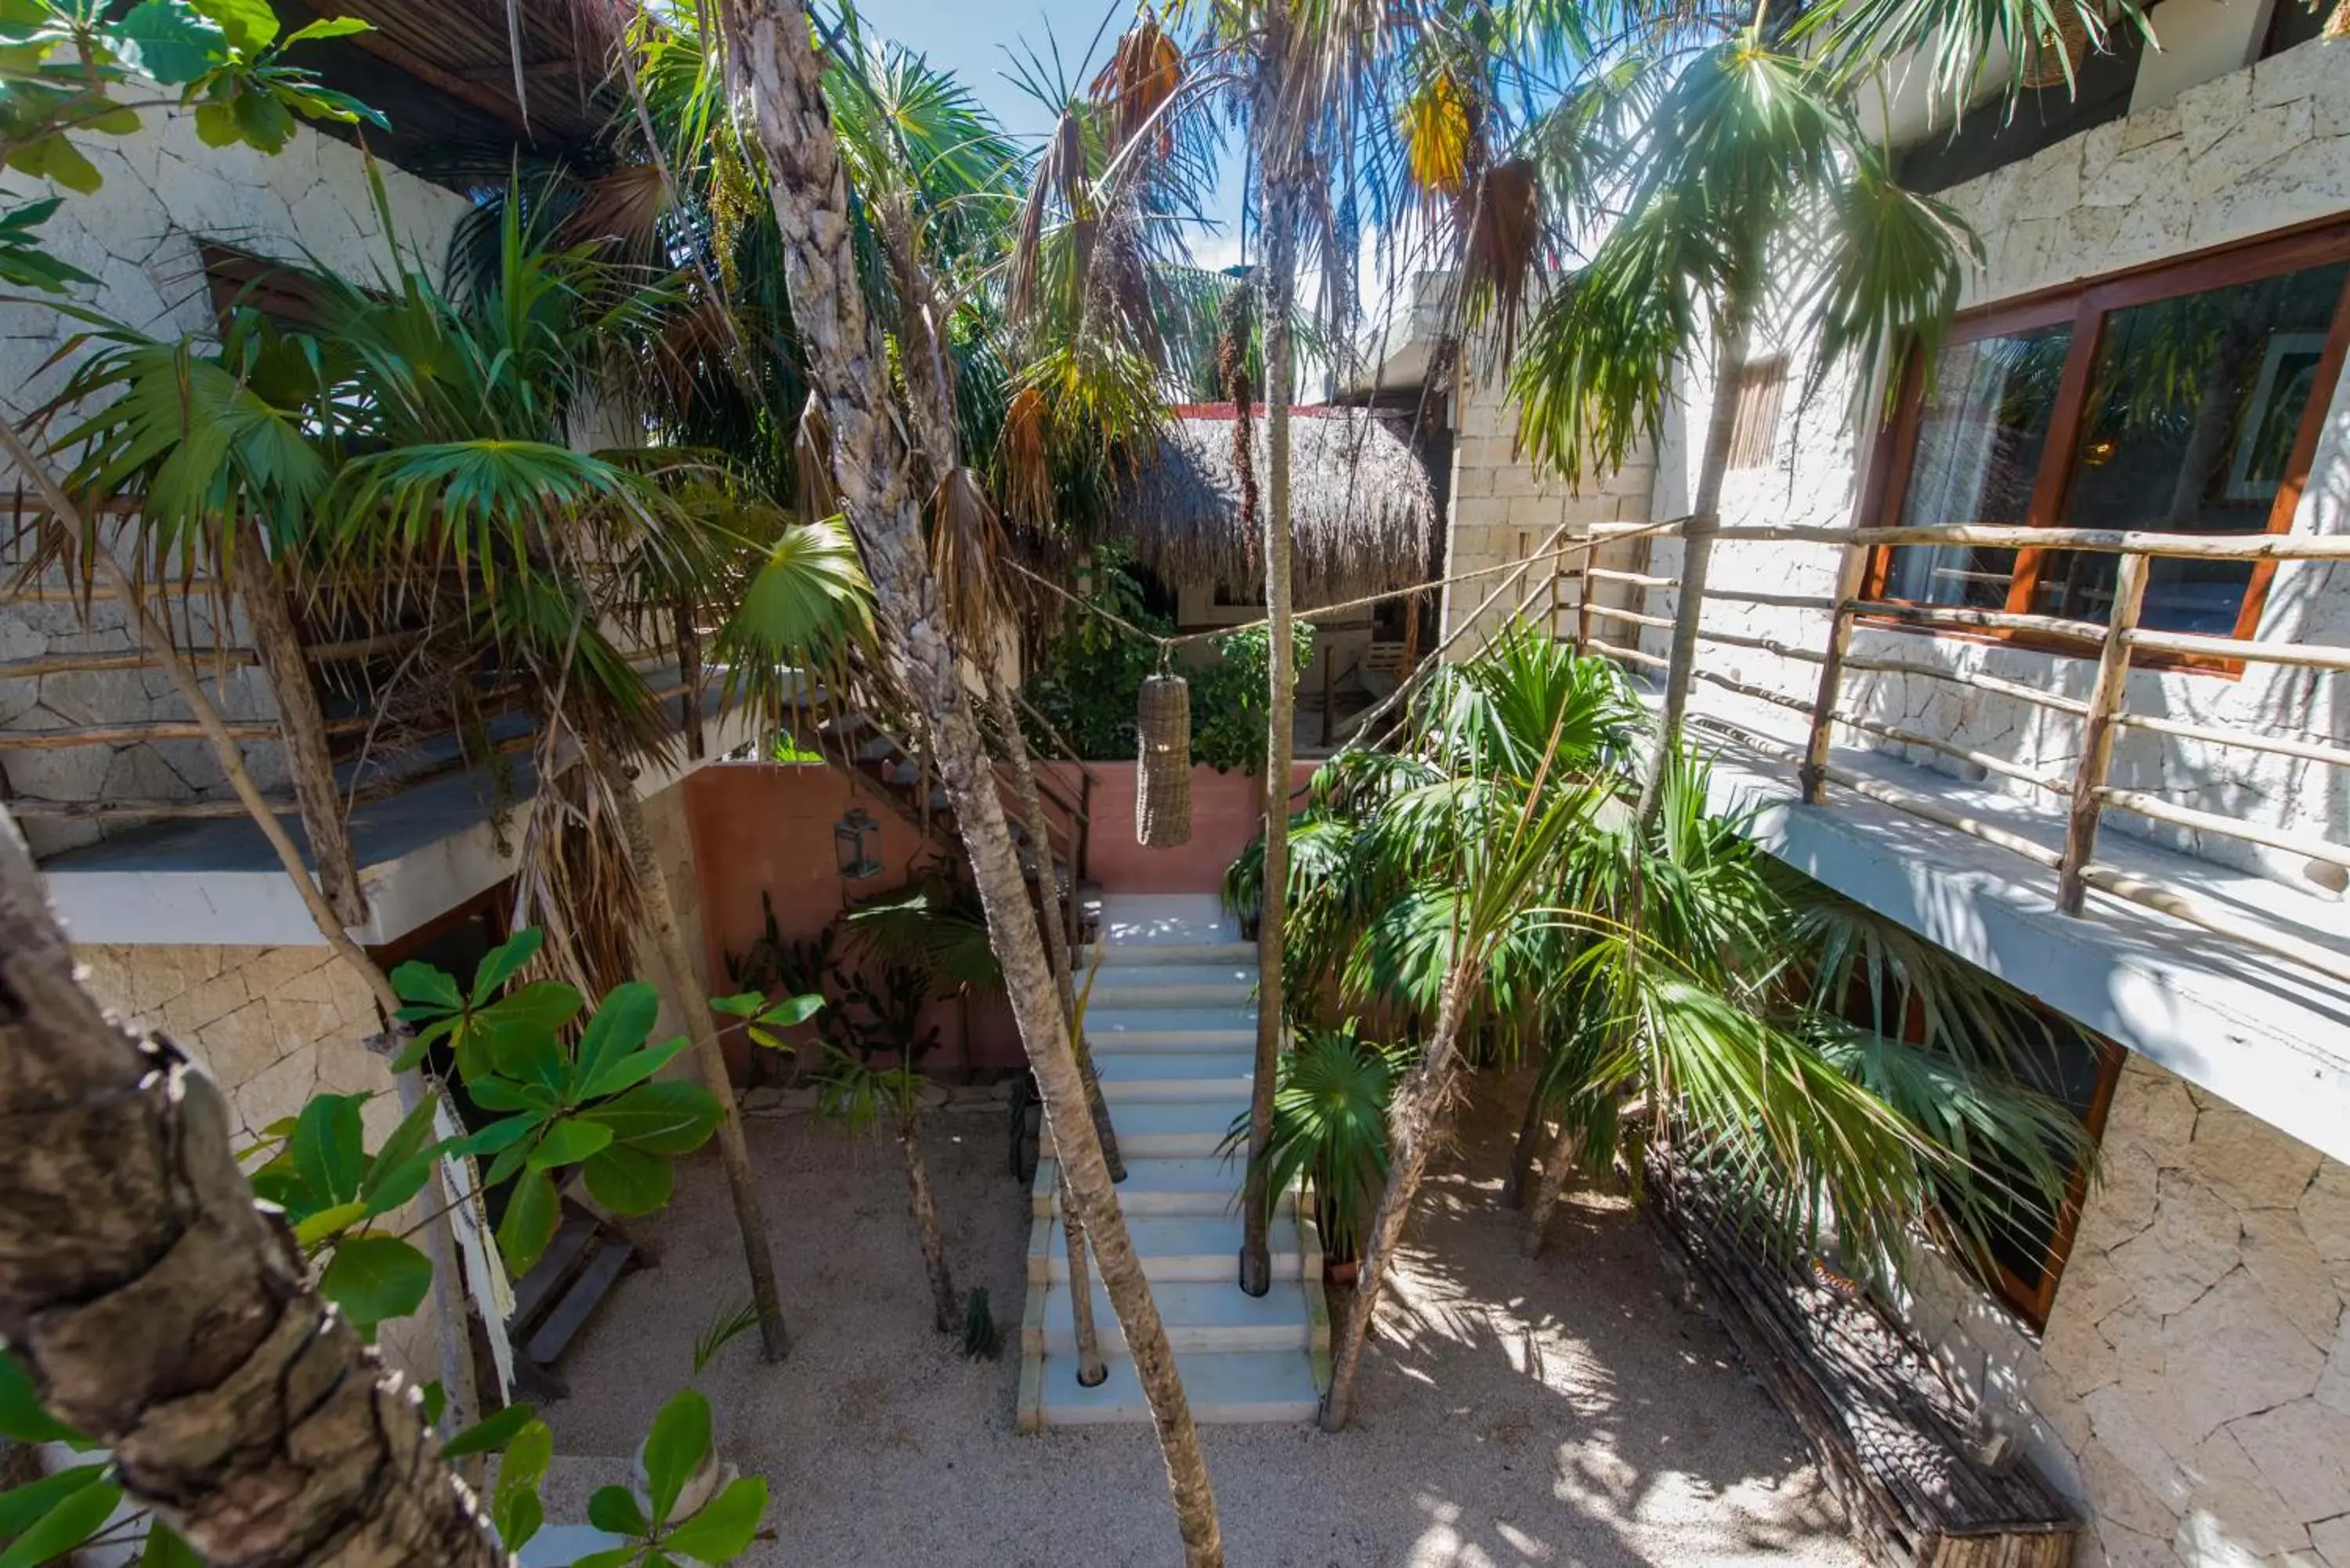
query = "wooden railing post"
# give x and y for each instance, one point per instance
(1582, 597)
(2106, 700)
(1813, 773)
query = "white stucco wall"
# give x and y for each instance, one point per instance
(163, 192)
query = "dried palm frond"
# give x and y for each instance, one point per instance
(1027, 458)
(624, 207)
(1439, 139)
(1502, 246)
(1058, 181)
(1144, 73)
(966, 541)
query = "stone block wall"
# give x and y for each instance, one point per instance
(2191, 1392)
(164, 191)
(1504, 510)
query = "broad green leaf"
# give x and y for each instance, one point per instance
(632, 1069)
(329, 1147)
(169, 42)
(165, 1549)
(569, 1143)
(250, 25)
(410, 1138)
(515, 1508)
(373, 1277)
(541, 1010)
(495, 1093)
(58, 159)
(614, 1509)
(674, 1449)
(631, 1556)
(24, 1504)
(792, 1010)
(121, 121)
(436, 1400)
(510, 1159)
(402, 1183)
(618, 1027)
(266, 123)
(309, 1232)
(532, 1214)
(721, 1530)
(503, 962)
(328, 27)
(499, 1135)
(421, 983)
(661, 1118)
(629, 1180)
(743, 1004)
(21, 1415)
(489, 1434)
(79, 1515)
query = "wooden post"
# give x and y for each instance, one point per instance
(1330, 664)
(1813, 773)
(2107, 699)
(1583, 596)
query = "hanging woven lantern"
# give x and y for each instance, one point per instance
(2053, 56)
(1162, 775)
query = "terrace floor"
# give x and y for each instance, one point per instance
(1564, 1411)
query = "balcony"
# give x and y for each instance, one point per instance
(2142, 827)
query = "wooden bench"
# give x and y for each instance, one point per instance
(1891, 1432)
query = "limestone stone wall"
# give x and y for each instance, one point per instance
(1502, 511)
(164, 191)
(2246, 154)
(2192, 1390)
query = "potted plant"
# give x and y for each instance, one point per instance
(1330, 1134)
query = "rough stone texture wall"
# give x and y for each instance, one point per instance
(2246, 154)
(1504, 510)
(2192, 1390)
(274, 1027)
(138, 235)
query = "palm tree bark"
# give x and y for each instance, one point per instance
(778, 77)
(1522, 1156)
(456, 1347)
(945, 1310)
(1697, 544)
(1280, 375)
(261, 588)
(1566, 1152)
(733, 1153)
(1415, 1125)
(163, 1314)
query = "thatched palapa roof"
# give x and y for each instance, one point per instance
(1362, 509)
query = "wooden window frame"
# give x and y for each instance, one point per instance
(2030, 1302)
(2086, 308)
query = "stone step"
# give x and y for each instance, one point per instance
(1151, 1129)
(1130, 1075)
(1160, 1186)
(1113, 1029)
(1223, 1386)
(1173, 1247)
(1199, 1316)
(1123, 985)
(1149, 955)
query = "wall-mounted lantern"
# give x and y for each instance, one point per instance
(849, 849)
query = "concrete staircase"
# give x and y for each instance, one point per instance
(1172, 1023)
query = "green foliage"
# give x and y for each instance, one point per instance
(1231, 698)
(982, 1340)
(53, 1516)
(1330, 1129)
(675, 1450)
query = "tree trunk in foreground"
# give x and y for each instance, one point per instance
(164, 1314)
(1522, 1155)
(946, 1310)
(661, 914)
(1697, 549)
(776, 74)
(1280, 374)
(448, 1298)
(1415, 1123)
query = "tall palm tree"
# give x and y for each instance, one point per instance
(882, 477)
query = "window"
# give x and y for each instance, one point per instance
(2184, 398)
(1754, 425)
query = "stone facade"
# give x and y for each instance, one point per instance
(2192, 1390)
(164, 192)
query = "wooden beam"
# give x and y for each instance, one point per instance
(2107, 697)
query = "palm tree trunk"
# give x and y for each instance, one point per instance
(1565, 1151)
(778, 77)
(945, 1309)
(1280, 375)
(158, 1308)
(261, 588)
(1415, 1124)
(1056, 934)
(733, 1154)
(448, 1301)
(1697, 544)
(1091, 1368)
(1522, 1157)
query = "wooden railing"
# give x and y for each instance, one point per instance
(2103, 715)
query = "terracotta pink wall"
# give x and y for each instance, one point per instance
(1226, 809)
(762, 827)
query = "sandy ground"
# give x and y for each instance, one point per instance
(1564, 1411)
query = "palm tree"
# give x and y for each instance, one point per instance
(881, 478)
(1490, 881)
